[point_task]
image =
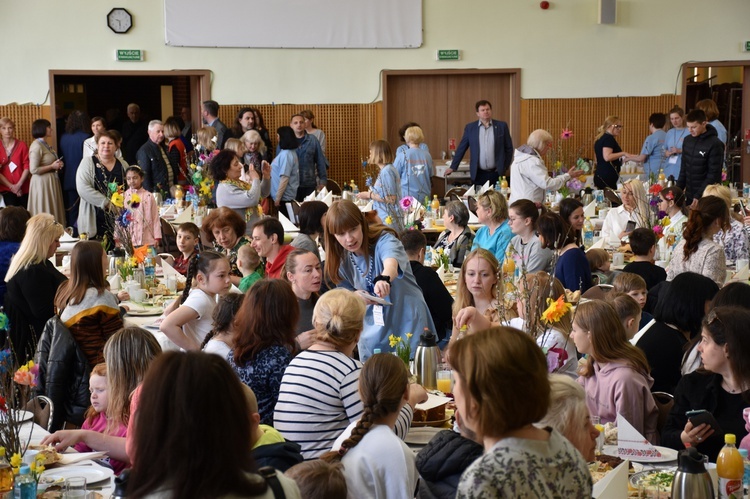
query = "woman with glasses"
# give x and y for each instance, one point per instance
(720, 388)
(634, 208)
(697, 252)
(609, 154)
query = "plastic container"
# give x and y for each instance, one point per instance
(588, 233)
(746, 462)
(730, 468)
(25, 485)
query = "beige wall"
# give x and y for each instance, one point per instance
(563, 52)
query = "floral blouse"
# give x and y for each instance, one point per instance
(707, 260)
(523, 468)
(232, 254)
(735, 241)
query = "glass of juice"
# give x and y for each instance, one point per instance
(444, 381)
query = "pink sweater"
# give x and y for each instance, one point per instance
(617, 388)
(145, 227)
(99, 424)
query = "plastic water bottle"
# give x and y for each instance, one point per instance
(149, 267)
(25, 485)
(588, 233)
(428, 256)
(746, 479)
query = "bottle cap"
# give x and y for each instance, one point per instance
(729, 438)
(24, 470)
(743, 453)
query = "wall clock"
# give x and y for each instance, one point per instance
(119, 20)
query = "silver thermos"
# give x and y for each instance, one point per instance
(692, 481)
(426, 360)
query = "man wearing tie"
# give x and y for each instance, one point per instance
(491, 147)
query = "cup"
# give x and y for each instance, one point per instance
(603, 213)
(66, 261)
(172, 283)
(114, 282)
(138, 295)
(444, 381)
(75, 486)
(618, 259)
(742, 263)
(132, 287)
(428, 223)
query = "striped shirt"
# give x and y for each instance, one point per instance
(319, 398)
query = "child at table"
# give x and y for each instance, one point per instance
(643, 245)
(96, 416)
(145, 225)
(599, 263)
(188, 324)
(634, 286)
(628, 311)
(188, 239)
(248, 262)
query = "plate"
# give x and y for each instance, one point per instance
(90, 473)
(19, 416)
(146, 312)
(667, 455)
(421, 436)
(636, 477)
(436, 424)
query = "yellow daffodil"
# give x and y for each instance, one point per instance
(556, 310)
(205, 188)
(15, 461)
(117, 199)
(388, 221)
(394, 340)
(665, 221)
(409, 335)
(133, 261)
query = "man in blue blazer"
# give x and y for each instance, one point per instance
(491, 147)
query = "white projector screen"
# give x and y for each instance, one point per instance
(294, 23)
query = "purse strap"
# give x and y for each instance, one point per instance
(269, 475)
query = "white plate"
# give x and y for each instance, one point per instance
(90, 473)
(667, 455)
(146, 312)
(421, 436)
(19, 416)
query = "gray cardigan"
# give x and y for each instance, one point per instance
(91, 198)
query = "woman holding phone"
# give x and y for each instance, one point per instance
(624, 219)
(717, 394)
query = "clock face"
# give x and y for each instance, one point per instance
(119, 20)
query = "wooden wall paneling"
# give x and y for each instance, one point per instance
(583, 116)
(23, 116)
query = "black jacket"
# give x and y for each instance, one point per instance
(441, 463)
(156, 172)
(702, 159)
(63, 374)
(436, 296)
(281, 456)
(702, 390)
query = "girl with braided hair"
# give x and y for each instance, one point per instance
(188, 324)
(697, 252)
(377, 464)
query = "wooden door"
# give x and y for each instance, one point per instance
(442, 102)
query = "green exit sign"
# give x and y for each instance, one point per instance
(129, 55)
(449, 55)
(747, 46)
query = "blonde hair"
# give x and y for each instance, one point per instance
(464, 298)
(41, 231)
(338, 317)
(253, 137)
(597, 257)
(641, 203)
(205, 137)
(414, 135)
(495, 203)
(608, 122)
(380, 153)
(625, 282)
(567, 411)
(249, 256)
(237, 146)
(624, 304)
(722, 192)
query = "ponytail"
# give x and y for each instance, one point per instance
(710, 209)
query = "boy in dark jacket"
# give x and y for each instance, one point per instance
(702, 157)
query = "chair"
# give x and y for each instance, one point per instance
(664, 402)
(168, 238)
(295, 211)
(598, 292)
(333, 187)
(472, 204)
(612, 196)
(455, 193)
(43, 410)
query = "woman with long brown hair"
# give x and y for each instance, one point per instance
(697, 252)
(616, 376)
(264, 333)
(370, 260)
(218, 425)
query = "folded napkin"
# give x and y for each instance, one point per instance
(486, 187)
(185, 216)
(322, 193)
(367, 207)
(473, 219)
(631, 444)
(311, 197)
(471, 191)
(590, 210)
(287, 224)
(614, 485)
(328, 198)
(168, 270)
(432, 402)
(167, 210)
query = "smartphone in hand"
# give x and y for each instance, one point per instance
(702, 416)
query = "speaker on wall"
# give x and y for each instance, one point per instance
(607, 11)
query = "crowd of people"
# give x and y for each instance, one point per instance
(302, 351)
